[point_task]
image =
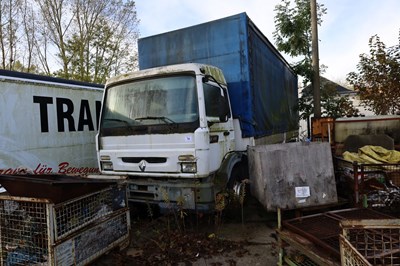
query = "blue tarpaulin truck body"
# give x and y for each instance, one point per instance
(262, 86)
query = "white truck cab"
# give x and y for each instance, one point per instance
(170, 131)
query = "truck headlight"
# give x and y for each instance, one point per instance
(105, 157)
(189, 167)
(107, 166)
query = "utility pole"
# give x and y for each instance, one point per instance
(315, 60)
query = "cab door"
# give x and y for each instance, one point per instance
(220, 123)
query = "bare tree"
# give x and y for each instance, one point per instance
(9, 23)
(104, 40)
(86, 40)
(2, 34)
(29, 24)
(42, 44)
(58, 19)
(17, 35)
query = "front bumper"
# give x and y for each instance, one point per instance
(181, 193)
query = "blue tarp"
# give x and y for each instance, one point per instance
(262, 86)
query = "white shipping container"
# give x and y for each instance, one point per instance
(368, 125)
(47, 125)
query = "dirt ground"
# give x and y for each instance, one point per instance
(192, 239)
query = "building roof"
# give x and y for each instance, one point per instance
(339, 88)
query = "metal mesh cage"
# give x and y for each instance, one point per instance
(349, 255)
(377, 183)
(23, 232)
(110, 231)
(85, 246)
(72, 215)
(299, 260)
(37, 232)
(370, 242)
(324, 229)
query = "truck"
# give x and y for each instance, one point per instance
(179, 128)
(48, 125)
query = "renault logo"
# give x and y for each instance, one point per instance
(142, 165)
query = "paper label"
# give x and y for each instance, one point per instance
(302, 192)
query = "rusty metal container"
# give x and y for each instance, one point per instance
(368, 125)
(56, 188)
(308, 182)
(358, 181)
(370, 242)
(322, 129)
(318, 236)
(37, 231)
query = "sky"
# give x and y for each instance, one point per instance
(343, 34)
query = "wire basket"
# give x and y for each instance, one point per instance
(370, 242)
(36, 231)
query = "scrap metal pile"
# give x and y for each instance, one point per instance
(378, 172)
(385, 197)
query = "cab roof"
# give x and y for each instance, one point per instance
(197, 69)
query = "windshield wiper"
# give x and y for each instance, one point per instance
(117, 120)
(128, 125)
(162, 118)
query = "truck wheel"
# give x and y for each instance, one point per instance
(238, 185)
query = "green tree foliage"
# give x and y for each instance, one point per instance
(293, 33)
(293, 37)
(378, 78)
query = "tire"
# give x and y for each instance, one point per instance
(237, 182)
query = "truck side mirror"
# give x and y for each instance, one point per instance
(223, 109)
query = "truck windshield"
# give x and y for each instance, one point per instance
(159, 101)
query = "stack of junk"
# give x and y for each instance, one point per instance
(61, 220)
(378, 172)
(326, 231)
(366, 158)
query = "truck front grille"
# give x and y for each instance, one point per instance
(147, 159)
